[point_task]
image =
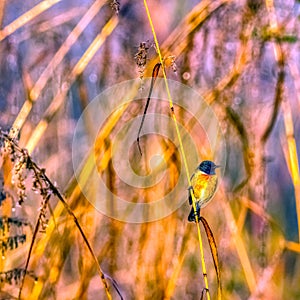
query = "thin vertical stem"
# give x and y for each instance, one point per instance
(181, 148)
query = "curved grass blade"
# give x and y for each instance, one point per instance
(214, 253)
(154, 76)
(115, 285)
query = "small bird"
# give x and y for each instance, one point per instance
(204, 184)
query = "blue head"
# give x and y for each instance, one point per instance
(208, 167)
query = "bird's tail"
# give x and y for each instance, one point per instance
(192, 217)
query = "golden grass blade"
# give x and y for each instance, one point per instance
(293, 160)
(214, 253)
(2, 9)
(292, 246)
(239, 244)
(58, 20)
(77, 70)
(55, 61)
(185, 246)
(242, 218)
(95, 45)
(26, 17)
(296, 78)
(292, 154)
(291, 157)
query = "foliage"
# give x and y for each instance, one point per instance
(56, 56)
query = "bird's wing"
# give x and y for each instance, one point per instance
(192, 176)
(190, 198)
(190, 188)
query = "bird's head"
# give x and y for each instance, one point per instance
(208, 167)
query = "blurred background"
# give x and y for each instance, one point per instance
(242, 57)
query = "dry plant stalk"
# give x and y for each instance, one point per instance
(26, 17)
(46, 188)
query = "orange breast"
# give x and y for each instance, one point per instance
(204, 187)
(199, 184)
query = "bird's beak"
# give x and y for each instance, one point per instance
(218, 166)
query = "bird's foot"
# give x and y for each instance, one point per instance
(205, 290)
(192, 215)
